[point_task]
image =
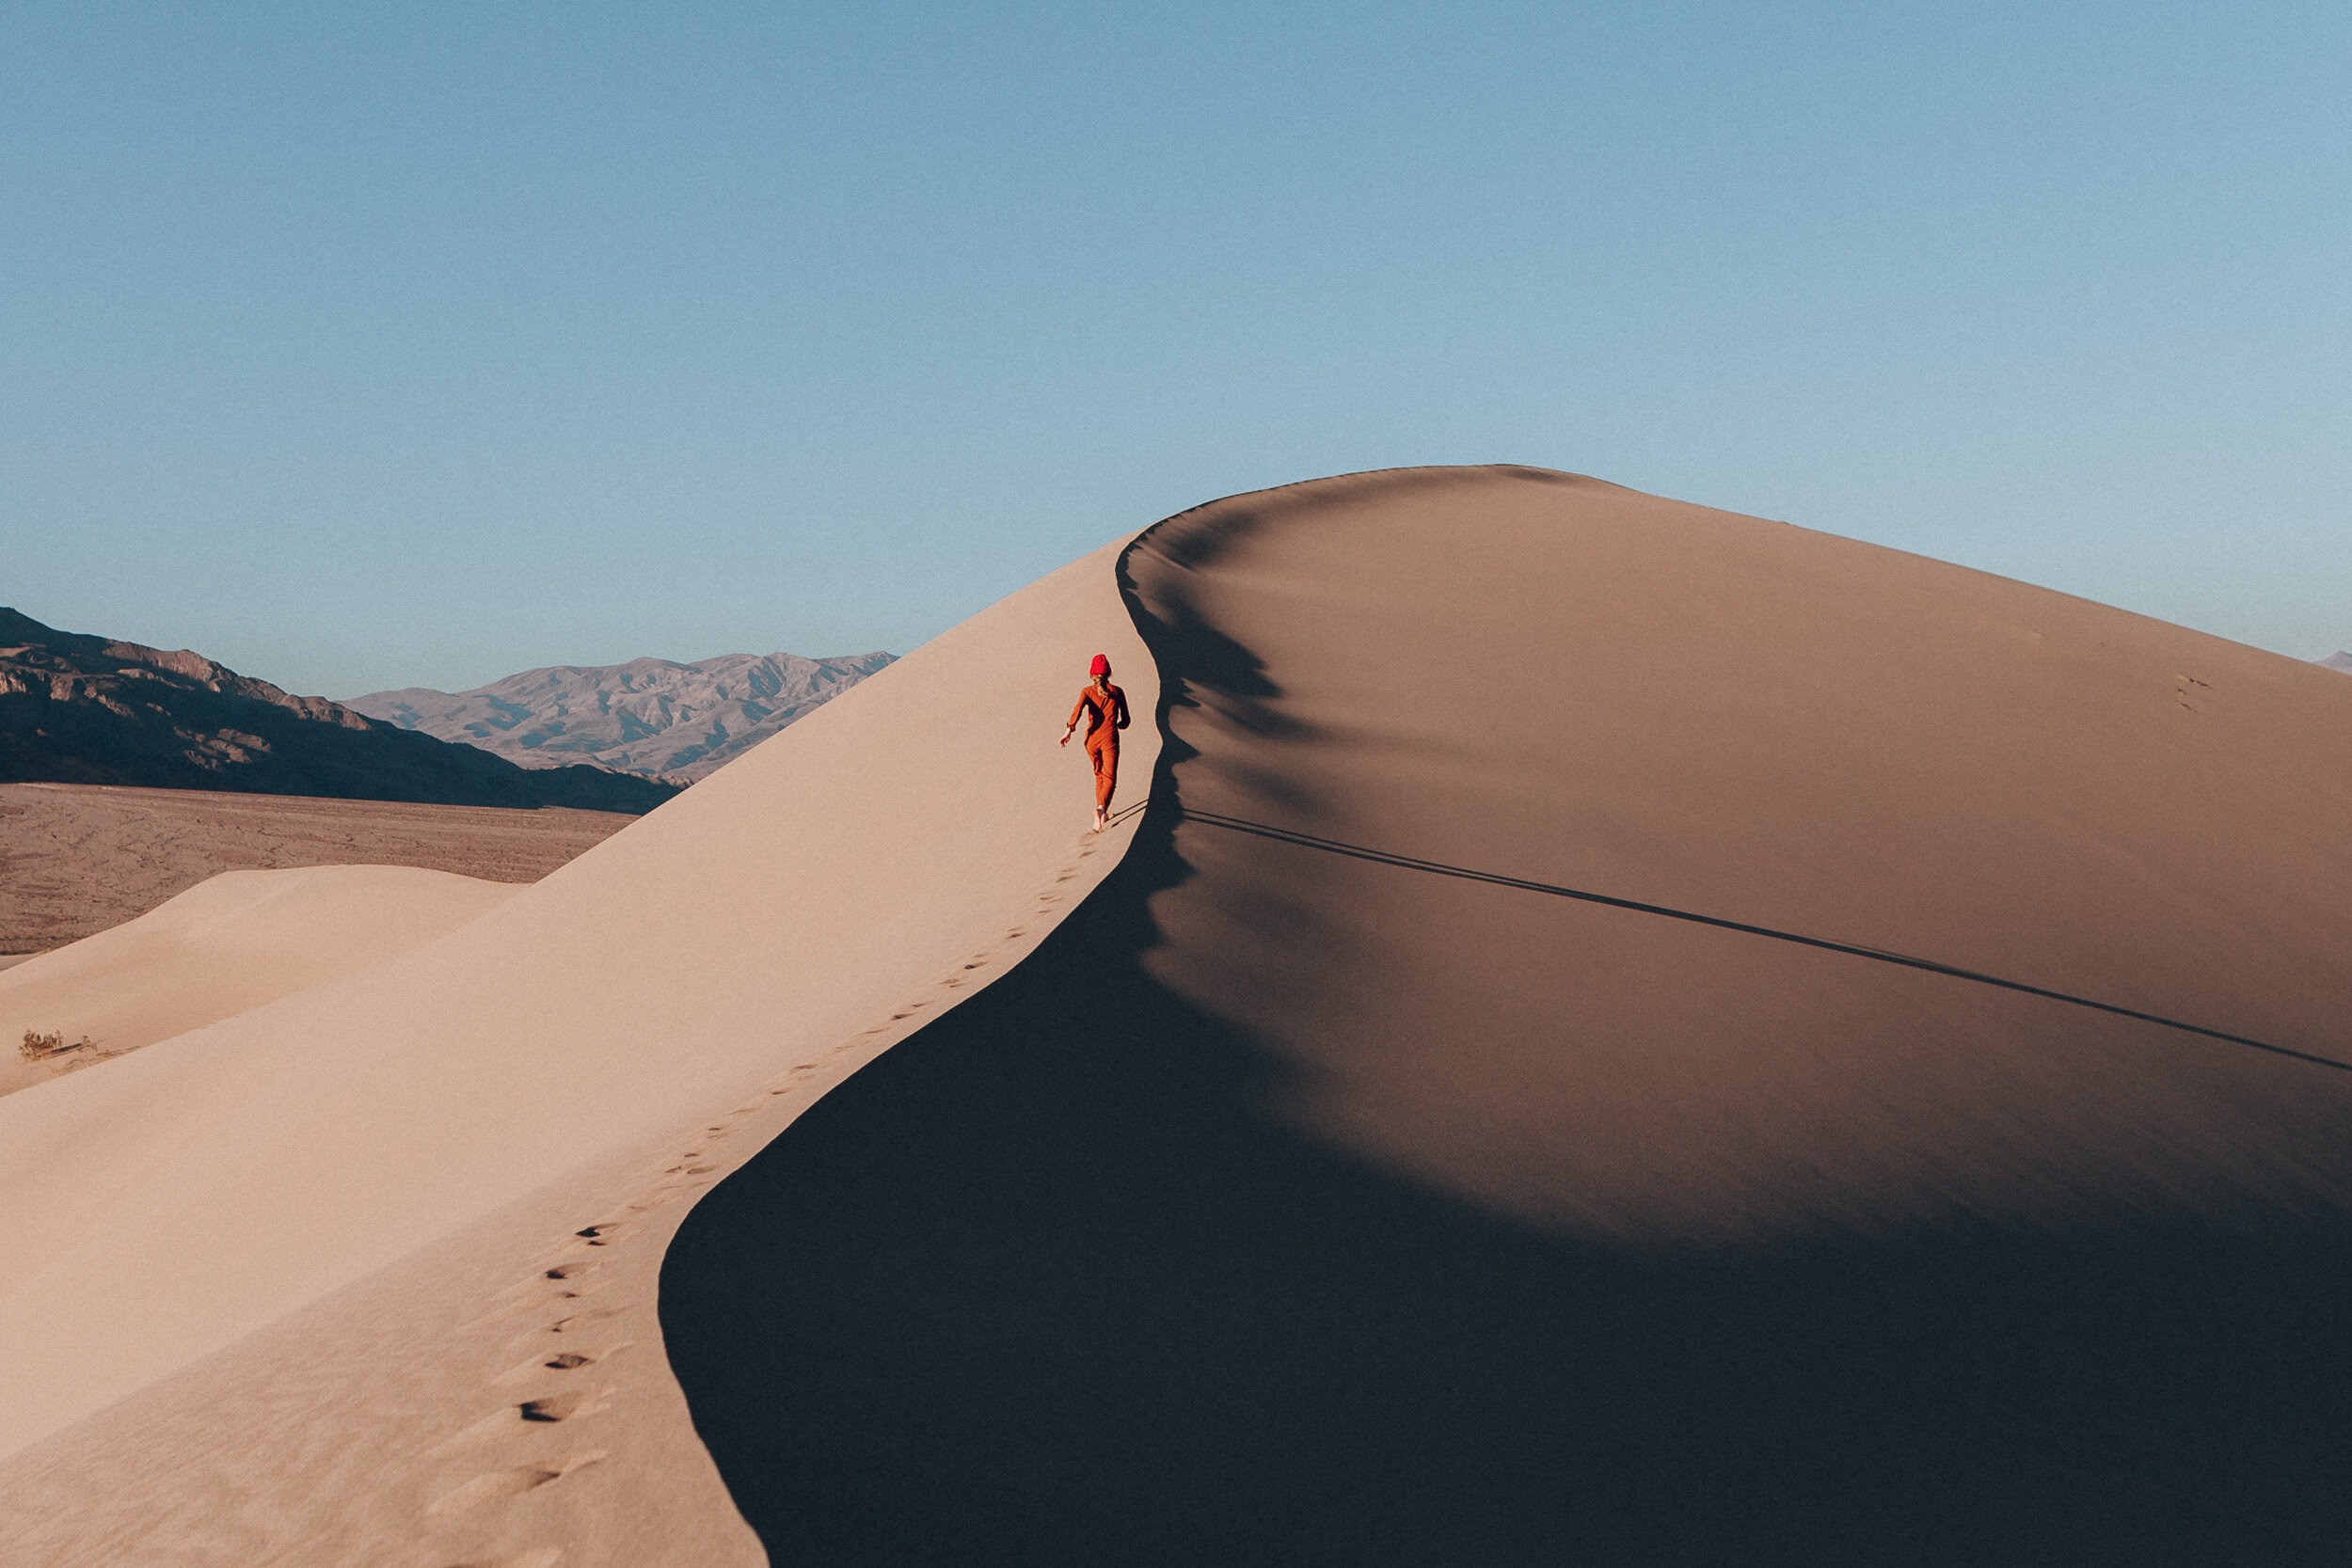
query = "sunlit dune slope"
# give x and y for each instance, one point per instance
(160, 1207)
(1387, 1200)
(1554, 679)
(232, 941)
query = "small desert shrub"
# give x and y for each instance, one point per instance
(42, 1048)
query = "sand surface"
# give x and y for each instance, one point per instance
(1345, 1179)
(79, 859)
(1756, 723)
(291, 1288)
(1375, 1211)
(231, 943)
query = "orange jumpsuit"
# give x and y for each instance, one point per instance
(1105, 713)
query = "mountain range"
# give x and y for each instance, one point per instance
(2339, 662)
(76, 709)
(654, 718)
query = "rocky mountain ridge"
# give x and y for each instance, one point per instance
(77, 708)
(656, 718)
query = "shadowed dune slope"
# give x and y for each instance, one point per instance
(1298, 1204)
(232, 941)
(161, 1207)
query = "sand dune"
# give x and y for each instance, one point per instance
(1376, 1213)
(366, 1179)
(1902, 754)
(79, 859)
(1530, 1089)
(230, 943)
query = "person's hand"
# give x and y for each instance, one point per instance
(1065, 737)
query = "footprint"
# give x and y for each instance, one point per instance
(516, 1419)
(566, 1361)
(579, 1320)
(500, 1484)
(604, 1232)
(563, 1407)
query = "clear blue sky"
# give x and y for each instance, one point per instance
(364, 346)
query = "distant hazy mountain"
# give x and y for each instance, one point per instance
(2339, 662)
(649, 716)
(82, 709)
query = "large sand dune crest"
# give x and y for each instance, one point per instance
(1903, 755)
(288, 1178)
(1287, 1178)
(1363, 1214)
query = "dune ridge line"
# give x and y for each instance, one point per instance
(499, 1119)
(1282, 1209)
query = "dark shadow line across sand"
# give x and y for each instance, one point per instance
(1881, 955)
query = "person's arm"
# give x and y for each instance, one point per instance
(1122, 708)
(1073, 718)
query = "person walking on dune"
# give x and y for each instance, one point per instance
(1103, 706)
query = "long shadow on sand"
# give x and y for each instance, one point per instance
(1044, 1286)
(1048, 1285)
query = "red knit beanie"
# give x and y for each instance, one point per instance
(1101, 665)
